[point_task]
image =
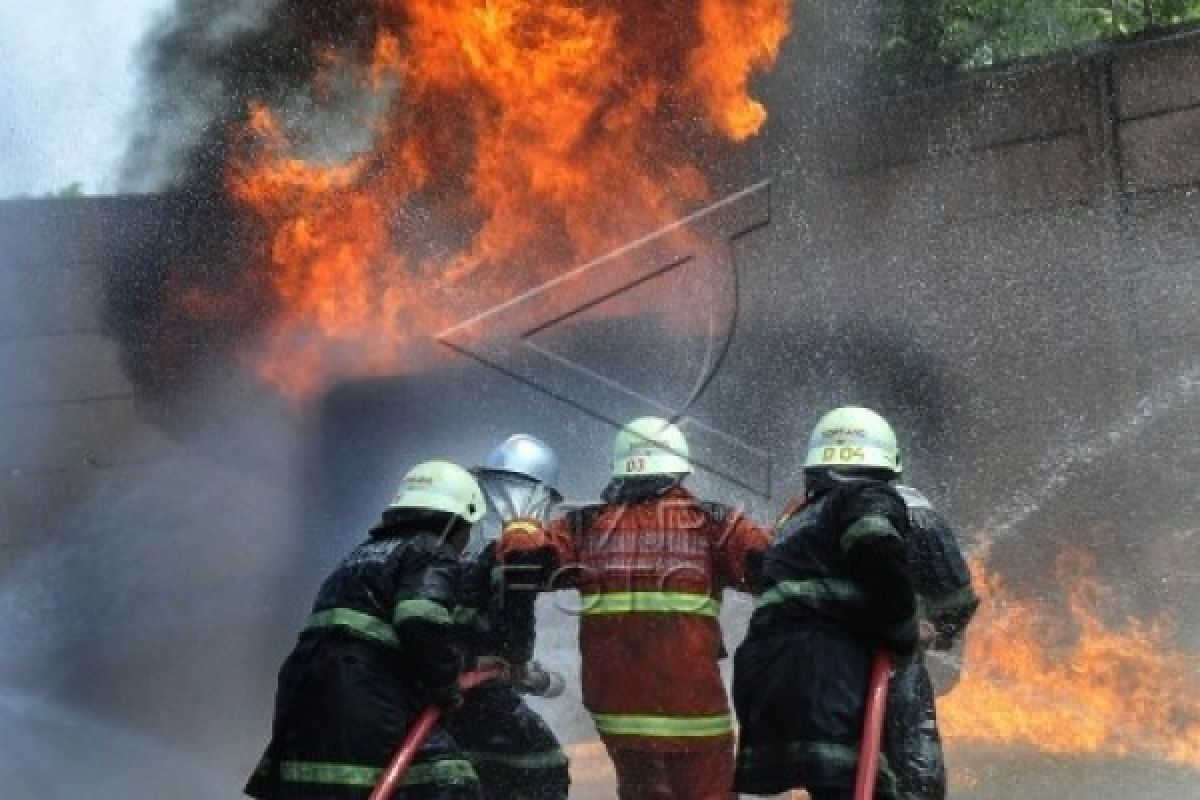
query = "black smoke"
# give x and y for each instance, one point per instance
(204, 69)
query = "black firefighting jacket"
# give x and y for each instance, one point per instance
(379, 646)
(836, 588)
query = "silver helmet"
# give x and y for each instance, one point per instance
(518, 479)
(526, 455)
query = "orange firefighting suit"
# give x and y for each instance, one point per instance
(650, 571)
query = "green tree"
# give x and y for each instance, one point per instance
(74, 189)
(930, 40)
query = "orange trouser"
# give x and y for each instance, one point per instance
(701, 775)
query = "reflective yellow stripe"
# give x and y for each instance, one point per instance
(335, 774)
(365, 625)
(832, 756)
(649, 725)
(814, 592)
(522, 526)
(866, 527)
(450, 770)
(423, 609)
(547, 759)
(650, 603)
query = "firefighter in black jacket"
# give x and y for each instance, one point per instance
(947, 603)
(513, 750)
(379, 647)
(836, 587)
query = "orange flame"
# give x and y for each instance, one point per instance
(1071, 682)
(512, 139)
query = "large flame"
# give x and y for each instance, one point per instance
(1071, 679)
(509, 140)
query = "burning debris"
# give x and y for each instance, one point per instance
(1071, 681)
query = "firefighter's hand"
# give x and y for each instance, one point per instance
(520, 537)
(927, 633)
(493, 671)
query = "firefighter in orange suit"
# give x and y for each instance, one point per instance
(650, 564)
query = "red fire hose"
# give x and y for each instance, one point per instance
(868, 757)
(393, 776)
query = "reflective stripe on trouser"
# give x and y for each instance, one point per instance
(444, 772)
(547, 759)
(807, 763)
(655, 725)
(650, 603)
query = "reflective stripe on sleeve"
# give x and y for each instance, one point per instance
(422, 609)
(363, 624)
(650, 603)
(651, 725)
(867, 527)
(814, 592)
(446, 771)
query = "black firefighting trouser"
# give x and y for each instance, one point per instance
(513, 750)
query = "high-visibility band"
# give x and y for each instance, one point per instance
(814, 592)
(872, 525)
(832, 754)
(446, 771)
(365, 625)
(420, 608)
(522, 526)
(653, 725)
(548, 759)
(650, 603)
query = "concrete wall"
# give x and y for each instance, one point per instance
(68, 414)
(1037, 231)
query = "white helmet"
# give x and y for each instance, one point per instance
(853, 437)
(441, 486)
(650, 446)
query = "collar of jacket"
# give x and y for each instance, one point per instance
(628, 491)
(431, 538)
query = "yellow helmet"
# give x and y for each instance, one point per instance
(650, 446)
(853, 437)
(441, 486)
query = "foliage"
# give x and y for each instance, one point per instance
(930, 40)
(74, 189)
